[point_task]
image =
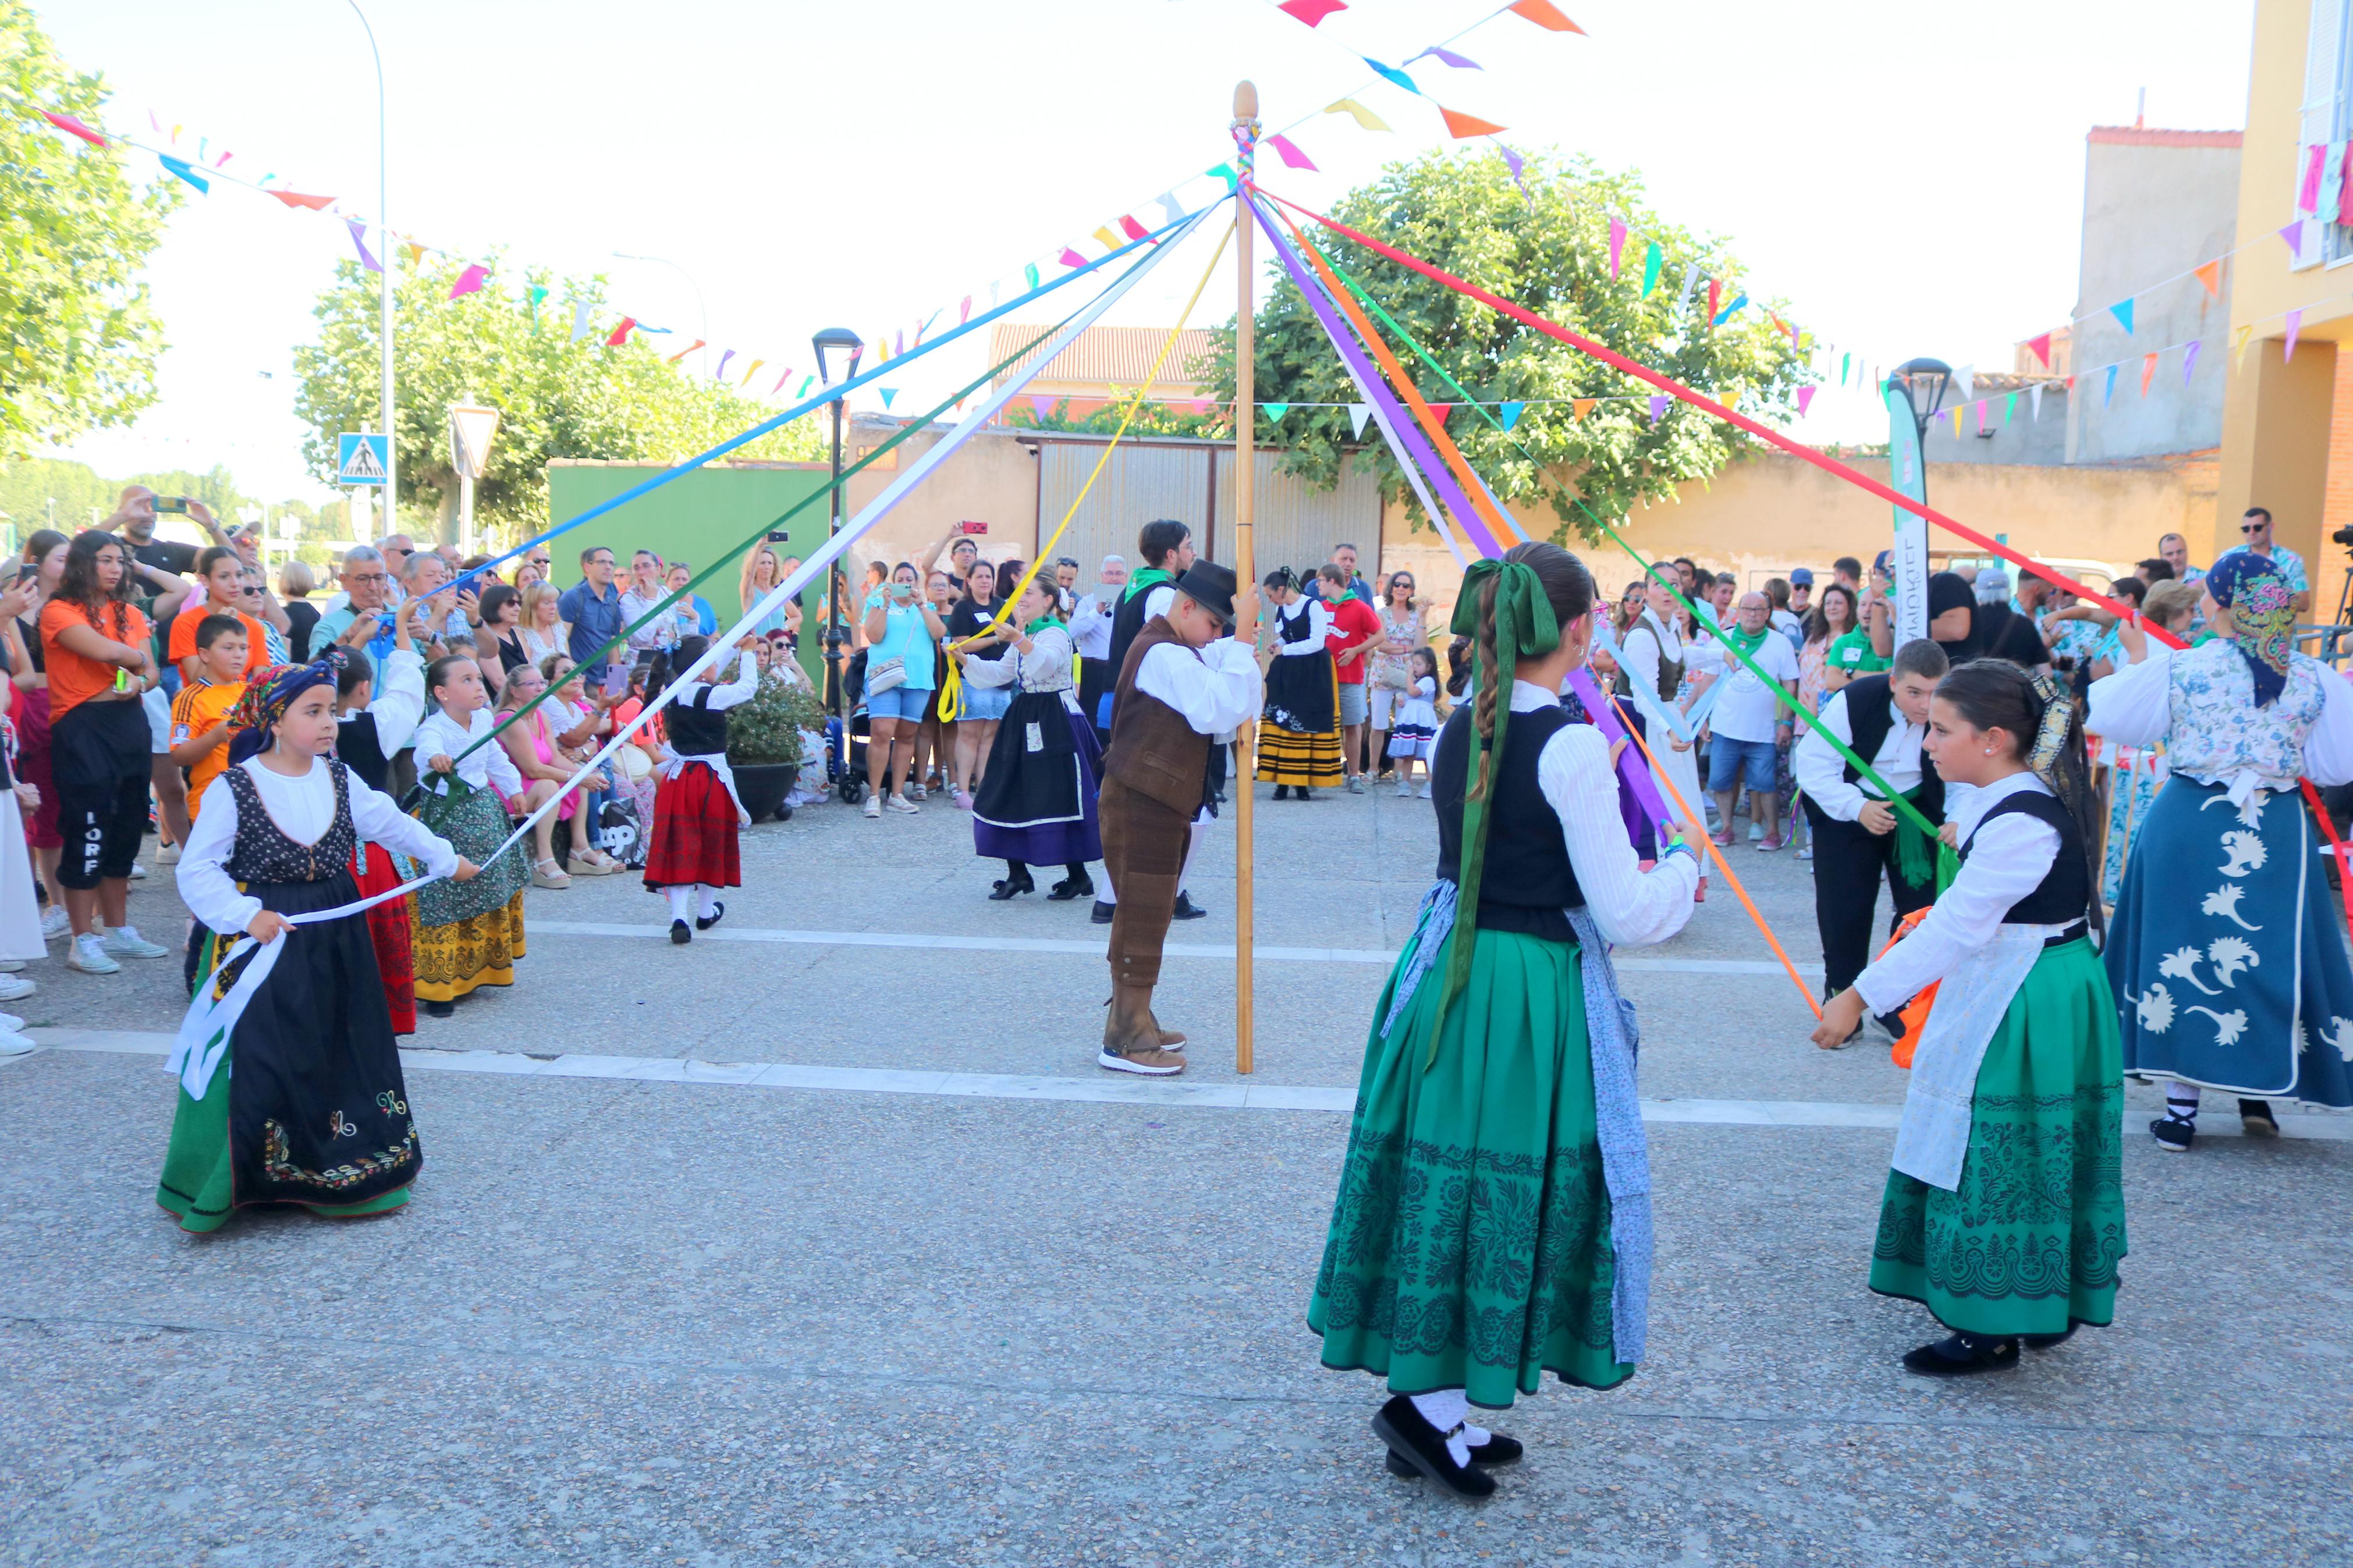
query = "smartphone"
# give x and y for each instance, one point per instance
(617, 679)
(972, 527)
(171, 503)
(25, 573)
(779, 536)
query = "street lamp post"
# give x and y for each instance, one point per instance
(384, 278)
(835, 341)
(1913, 393)
(702, 356)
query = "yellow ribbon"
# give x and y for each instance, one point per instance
(951, 679)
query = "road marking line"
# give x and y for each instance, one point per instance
(1091, 1091)
(1094, 949)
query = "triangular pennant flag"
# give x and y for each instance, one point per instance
(1579, 408)
(806, 382)
(2123, 312)
(1509, 412)
(223, 160)
(1462, 127)
(2040, 345)
(898, 342)
(1441, 410)
(1041, 405)
(179, 167)
(1224, 172)
(1134, 230)
(2295, 325)
(1288, 151)
(2147, 371)
(621, 334)
(1617, 245)
(2209, 275)
(1805, 400)
(532, 297)
(1391, 74)
(2034, 402)
(780, 381)
(1459, 62)
(750, 371)
(1690, 281)
(2189, 358)
(650, 327)
(886, 394)
(1105, 237)
(1844, 361)
(1714, 293)
(1544, 13)
(1170, 205)
(296, 199)
(1071, 258)
(579, 319)
(882, 348)
(204, 147)
(2008, 407)
(2108, 388)
(1030, 273)
(468, 281)
(416, 250)
(963, 311)
(2238, 341)
(1739, 303)
(926, 328)
(359, 241)
(72, 127)
(1203, 405)
(1659, 401)
(1957, 419)
(1965, 381)
(1654, 259)
(1514, 162)
(1311, 11)
(1275, 410)
(2293, 234)
(1359, 113)
(1357, 414)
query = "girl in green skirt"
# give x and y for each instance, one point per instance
(2004, 1212)
(1493, 1216)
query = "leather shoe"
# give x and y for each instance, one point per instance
(1102, 913)
(1963, 1355)
(1071, 888)
(718, 913)
(1497, 1449)
(1422, 1447)
(679, 934)
(1186, 910)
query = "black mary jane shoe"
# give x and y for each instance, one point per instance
(1102, 913)
(2045, 1341)
(1497, 1450)
(1071, 888)
(1414, 1442)
(1963, 1355)
(718, 913)
(2256, 1119)
(679, 934)
(2172, 1134)
(1186, 910)
(1011, 888)
(1306, 794)
(1283, 791)
(439, 1009)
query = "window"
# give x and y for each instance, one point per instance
(2323, 123)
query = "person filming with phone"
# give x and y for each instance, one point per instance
(901, 631)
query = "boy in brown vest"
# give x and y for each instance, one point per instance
(1185, 679)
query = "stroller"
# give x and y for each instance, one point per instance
(845, 739)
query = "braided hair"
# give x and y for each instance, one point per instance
(1569, 587)
(2046, 730)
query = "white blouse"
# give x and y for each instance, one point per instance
(2008, 859)
(742, 689)
(1634, 908)
(303, 809)
(2199, 702)
(1047, 666)
(1319, 626)
(439, 735)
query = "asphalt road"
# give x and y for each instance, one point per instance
(827, 1242)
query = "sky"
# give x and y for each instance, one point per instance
(1908, 178)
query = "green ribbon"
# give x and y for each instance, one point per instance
(1916, 852)
(1150, 577)
(1527, 628)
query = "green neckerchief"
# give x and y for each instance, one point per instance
(1916, 852)
(1150, 577)
(1040, 625)
(1525, 627)
(1746, 642)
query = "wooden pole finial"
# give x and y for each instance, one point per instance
(1245, 100)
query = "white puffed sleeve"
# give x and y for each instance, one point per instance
(2134, 707)
(1633, 907)
(2329, 750)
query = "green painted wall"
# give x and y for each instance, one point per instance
(697, 518)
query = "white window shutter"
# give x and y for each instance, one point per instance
(2317, 125)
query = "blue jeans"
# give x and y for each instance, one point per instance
(901, 701)
(1731, 761)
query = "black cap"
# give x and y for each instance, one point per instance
(1209, 585)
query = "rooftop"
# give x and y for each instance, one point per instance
(1107, 356)
(2151, 136)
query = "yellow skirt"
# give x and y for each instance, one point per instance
(1287, 757)
(453, 959)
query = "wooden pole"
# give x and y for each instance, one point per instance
(1245, 130)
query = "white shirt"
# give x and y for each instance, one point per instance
(1789, 626)
(1319, 626)
(1216, 689)
(397, 701)
(742, 689)
(1749, 711)
(2134, 707)
(1633, 907)
(303, 809)
(1821, 772)
(1645, 642)
(2008, 859)
(1158, 601)
(439, 735)
(1090, 622)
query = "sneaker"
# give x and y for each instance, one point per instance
(1769, 846)
(1424, 793)
(2255, 1115)
(54, 923)
(917, 792)
(2173, 1135)
(88, 955)
(1806, 853)
(15, 988)
(138, 872)
(1755, 831)
(1356, 783)
(874, 807)
(167, 854)
(11, 966)
(1405, 789)
(1150, 1063)
(900, 803)
(124, 942)
(964, 800)
(13, 1044)
(1721, 840)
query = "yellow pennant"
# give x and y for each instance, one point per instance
(749, 373)
(1357, 111)
(1110, 240)
(2239, 336)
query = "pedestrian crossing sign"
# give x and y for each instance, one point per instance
(366, 460)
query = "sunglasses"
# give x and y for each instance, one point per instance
(2252, 527)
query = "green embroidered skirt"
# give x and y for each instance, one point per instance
(2030, 1241)
(1469, 1243)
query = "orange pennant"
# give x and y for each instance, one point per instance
(2147, 370)
(686, 351)
(416, 252)
(1579, 408)
(2210, 275)
(1462, 126)
(1544, 13)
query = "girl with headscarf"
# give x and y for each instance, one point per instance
(2002, 1213)
(2229, 967)
(303, 1102)
(1496, 1109)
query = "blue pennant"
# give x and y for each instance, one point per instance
(1511, 413)
(1393, 74)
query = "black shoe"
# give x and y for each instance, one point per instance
(1071, 888)
(2044, 1342)
(2173, 1135)
(1306, 793)
(1893, 1023)
(1421, 1448)
(1102, 913)
(2256, 1118)
(718, 913)
(1186, 910)
(1963, 1355)
(679, 933)
(1283, 791)
(439, 1009)
(1497, 1450)
(1012, 887)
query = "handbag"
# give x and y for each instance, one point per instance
(887, 676)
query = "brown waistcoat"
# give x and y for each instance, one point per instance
(1154, 751)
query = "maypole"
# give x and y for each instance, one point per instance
(1245, 130)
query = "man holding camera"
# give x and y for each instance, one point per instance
(1185, 679)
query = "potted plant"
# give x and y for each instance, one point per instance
(764, 744)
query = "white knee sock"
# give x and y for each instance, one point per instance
(2181, 1102)
(710, 896)
(681, 900)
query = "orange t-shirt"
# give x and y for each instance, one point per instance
(184, 637)
(196, 709)
(73, 680)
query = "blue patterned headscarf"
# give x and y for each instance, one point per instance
(2262, 617)
(268, 694)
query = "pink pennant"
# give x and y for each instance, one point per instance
(2293, 234)
(1288, 151)
(2295, 325)
(1311, 11)
(780, 381)
(72, 127)
(1616, 244)
(1980, 407)
(1805, 400)
(468, 281)
(1071, 258)
(1203, 405)
(2041, 344)
(1134, 230)
(223, 159)
(963, 311)
(2308, 196)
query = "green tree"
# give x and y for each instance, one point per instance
(1547, 250)
(1151, 419)
(77, 338)
(555, 398)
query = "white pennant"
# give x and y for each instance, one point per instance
(579, 319)
(1966, 378)
(1357, 414)
(1690, 281)
(1168, 202)
(2034, 396)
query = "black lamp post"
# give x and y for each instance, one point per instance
(1924, 381)
(839, 340)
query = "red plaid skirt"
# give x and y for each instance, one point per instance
(695, 832)
(373, 869)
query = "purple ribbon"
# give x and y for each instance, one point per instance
(1630, 762)
(1417, 449)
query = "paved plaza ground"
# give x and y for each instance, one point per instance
(827, 1242)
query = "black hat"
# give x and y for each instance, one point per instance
(1209, 585)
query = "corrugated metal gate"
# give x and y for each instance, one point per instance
(1296, 525)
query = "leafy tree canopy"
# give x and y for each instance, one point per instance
(555, 398)
(1151, 419)
(1547, 250)
(78, 337)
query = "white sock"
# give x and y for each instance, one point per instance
(710, 899)
(1447, 1410)
(682, 901)
(2181, 1102)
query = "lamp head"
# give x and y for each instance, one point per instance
(1924, 379)
(837, 344)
